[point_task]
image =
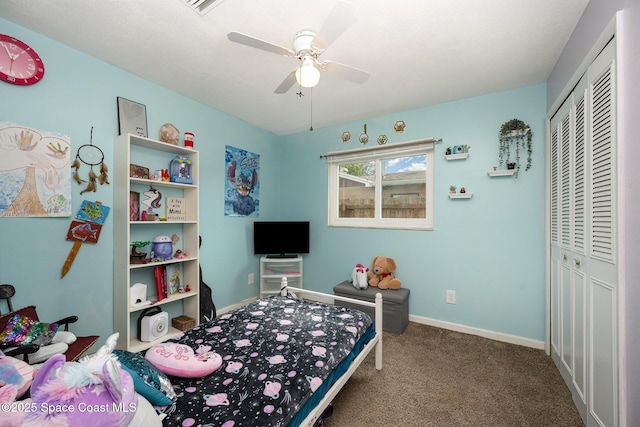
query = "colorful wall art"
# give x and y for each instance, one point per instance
(35, 174)
(242, 186)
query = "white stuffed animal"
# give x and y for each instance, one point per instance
(359, 277)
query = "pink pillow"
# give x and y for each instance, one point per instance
(15, 372)
(180, 360)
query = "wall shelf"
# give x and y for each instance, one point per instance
(461, 196)
(456, 156)
(508, 172)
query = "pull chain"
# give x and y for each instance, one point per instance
(311, 118)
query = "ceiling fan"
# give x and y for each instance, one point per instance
(308, 45)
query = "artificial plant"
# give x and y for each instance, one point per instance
(519, 134)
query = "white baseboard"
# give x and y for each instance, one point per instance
(236, 305)
(497, 336)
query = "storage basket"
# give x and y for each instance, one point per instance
(183, 323)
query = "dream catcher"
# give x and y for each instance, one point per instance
(91, 155)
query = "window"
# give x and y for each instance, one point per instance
(389, 186)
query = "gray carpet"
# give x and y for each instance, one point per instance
(436, 377)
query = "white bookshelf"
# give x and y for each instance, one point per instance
(154, 155)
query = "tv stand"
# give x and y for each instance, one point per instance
(274, 267)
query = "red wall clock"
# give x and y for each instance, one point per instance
(19, 64)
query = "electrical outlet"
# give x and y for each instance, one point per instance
(251, 278)
(450, 297)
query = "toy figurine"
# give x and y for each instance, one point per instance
(181, 170)
(162, 248)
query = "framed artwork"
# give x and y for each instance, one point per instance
(136, 171)
(132, 117)
(134, 206)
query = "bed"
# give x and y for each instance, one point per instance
(284, 358)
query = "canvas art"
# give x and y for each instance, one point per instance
(35, 173)
(134, 206)
(85, 228)
(242, 186)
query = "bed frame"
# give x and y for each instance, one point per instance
(376, 342)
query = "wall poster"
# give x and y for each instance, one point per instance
(242, 187)
(35, 172)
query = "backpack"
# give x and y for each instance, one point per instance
(207, 307)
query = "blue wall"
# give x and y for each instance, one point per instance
(490, 249)
(78, 92)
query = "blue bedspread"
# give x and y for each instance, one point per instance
(277, 354)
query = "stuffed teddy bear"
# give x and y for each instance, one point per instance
(381, 273)
(359, 277)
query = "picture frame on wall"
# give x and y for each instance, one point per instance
(132, 117)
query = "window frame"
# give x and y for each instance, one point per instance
(423, 147)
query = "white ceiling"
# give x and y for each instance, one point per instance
(419, 52)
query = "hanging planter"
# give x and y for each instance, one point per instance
(515, 135)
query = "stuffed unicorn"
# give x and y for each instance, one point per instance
(92, 392)
(359, 277)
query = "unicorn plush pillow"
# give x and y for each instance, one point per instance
(88, 386)
(181, 361)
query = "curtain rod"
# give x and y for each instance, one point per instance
(379, 147)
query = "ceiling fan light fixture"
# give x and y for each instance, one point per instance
(307, 75)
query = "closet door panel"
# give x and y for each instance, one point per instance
(603, 387)
(580, 334)
(579, 193)
(566, 299)
(602, 268)
(560, 238)
(555, 306)
(602, 156)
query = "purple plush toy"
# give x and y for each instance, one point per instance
(92, 392)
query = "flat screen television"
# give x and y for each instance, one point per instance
(280, 239)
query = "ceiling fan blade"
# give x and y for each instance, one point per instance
(353, 74)
(341, 17)
(286, 83)
(259, 44)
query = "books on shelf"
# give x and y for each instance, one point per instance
(160, 275)
(173, 279)
(168, 280)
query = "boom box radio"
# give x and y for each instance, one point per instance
(153, 323)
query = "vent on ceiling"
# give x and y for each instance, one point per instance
(202, 6)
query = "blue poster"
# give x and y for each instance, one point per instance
(242, 186)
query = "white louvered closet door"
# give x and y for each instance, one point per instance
(582, 176)
(568, 206)
(602, 260)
